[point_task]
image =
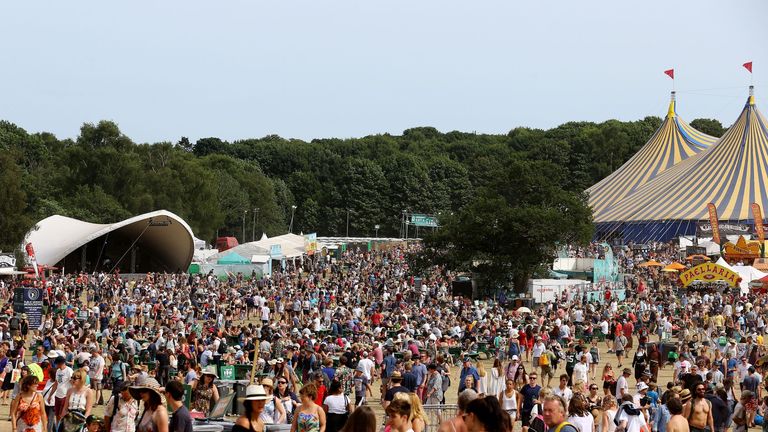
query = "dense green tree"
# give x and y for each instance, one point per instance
(362, 189)
(13, 219)
(709, 126)
(512, 225)
(102, 175)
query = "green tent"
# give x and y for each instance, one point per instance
(233, 258)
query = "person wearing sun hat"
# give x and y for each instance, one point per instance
(204, 392)
(273, 412)
(154, 418)
(253, 403)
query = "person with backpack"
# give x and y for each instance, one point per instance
(555, 415)
(511, 368)
(545, 363)
(121, 410)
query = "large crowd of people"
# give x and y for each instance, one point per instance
(334, 342)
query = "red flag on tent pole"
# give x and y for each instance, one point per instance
(671, 73)
(748, 66)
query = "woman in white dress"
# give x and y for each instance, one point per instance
(482, 383)
(496, 379)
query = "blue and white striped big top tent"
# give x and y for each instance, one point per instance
(731, 174)
(673, 142)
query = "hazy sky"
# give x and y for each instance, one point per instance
(163, 69)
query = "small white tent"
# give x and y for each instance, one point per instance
(748, 274)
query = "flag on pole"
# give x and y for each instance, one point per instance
(748, 66)
(671, 72)
(757, 215)
(713, 221)
(31, 254)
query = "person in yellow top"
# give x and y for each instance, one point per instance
(718, 320)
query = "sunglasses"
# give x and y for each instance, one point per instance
(531, 378)
(75, 379)
(282, 382)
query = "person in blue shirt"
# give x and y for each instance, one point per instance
(661, 418)
(468, 370)
(732, 362)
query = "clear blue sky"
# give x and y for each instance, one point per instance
(163, 69)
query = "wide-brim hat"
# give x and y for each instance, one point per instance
(685, 395)
(150, 384)
(268, 382)
(255, 392)
(209, 370)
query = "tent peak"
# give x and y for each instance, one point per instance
(263, 236)
(671, 110)
(751, 95)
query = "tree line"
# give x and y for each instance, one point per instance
(103, 176)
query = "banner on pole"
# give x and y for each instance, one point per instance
(714, 222)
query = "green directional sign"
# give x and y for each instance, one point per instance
(227, 372)
(423, 220)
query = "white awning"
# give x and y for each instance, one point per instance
(260, 259)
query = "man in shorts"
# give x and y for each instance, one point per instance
(619, 344)
(96, 373)
(547, 373)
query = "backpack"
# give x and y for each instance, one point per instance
(537, 423)
(563, 425)
(544, 360)
(510, 372)
(222, 347)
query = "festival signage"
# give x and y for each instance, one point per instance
(709, 272)
(713, 221)
(423, 220)
(310, 242)
(33, 306)
(742, 249)
(706, 229)
(757, 214)
(7, 260)
(227, 372)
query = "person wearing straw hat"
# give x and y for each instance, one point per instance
(204, 392)
(274, 412)
(253, 404)
(154, 418)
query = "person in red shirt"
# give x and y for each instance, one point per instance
(376, 318)
(319, 378)
(628, 329)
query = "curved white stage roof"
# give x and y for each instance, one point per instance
(161, 233)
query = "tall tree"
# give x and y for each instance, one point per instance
(513, 225)
(13, 202)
